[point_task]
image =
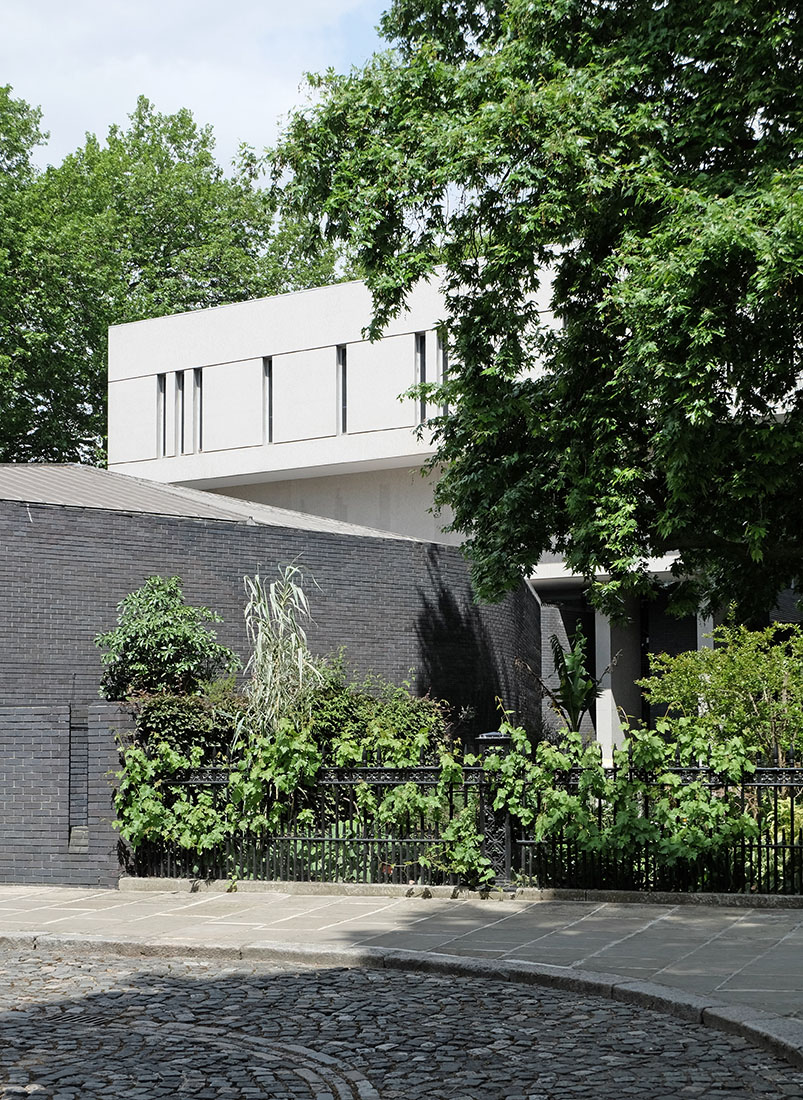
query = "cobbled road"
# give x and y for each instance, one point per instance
(107, 1027)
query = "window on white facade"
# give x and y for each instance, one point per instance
(161, 415)
(181, 413)
(443, 364)
(267, 400)
(197, 410)
(421, 372)
(342, 390)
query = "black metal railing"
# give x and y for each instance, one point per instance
(332, 833)
(768, 862)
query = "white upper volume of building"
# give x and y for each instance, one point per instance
(283, 401)
(283, 385)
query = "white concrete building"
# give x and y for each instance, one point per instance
(282, 401)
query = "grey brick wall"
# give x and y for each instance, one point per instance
(396, 606)
(401, 609)
(38, 841)
(105, 721)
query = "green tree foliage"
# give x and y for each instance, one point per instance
(638, 164)
(750, 686)
(161, 644)
(19, 135)
(142, 224)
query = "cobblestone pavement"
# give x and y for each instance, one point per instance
(108, 1027)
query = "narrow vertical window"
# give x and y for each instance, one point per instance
(443, 353)
(180, 413)
(267, 400)
(161, 416)
(421, 373)
(197, 409)
(342, 390)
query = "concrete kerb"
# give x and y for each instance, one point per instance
(780, 1035)
(130, 884)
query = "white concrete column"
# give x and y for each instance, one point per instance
(608, 728)
(705, 625)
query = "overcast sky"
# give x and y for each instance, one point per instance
(237, 65)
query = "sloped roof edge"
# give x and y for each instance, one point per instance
(76, 486)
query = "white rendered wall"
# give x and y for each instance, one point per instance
(227, 349)
(390, 500)
(377, 375)
(304, 395)
(232, 405)
(132, 420)
(323, 317)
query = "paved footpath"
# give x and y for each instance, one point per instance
(271, 994)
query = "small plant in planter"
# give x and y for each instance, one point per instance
(577, 688)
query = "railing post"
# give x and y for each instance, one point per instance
(496, 826)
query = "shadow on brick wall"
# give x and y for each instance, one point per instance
(466, 655)
(457, 663)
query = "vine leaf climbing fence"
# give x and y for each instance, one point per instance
(333, 832)
(767, 859)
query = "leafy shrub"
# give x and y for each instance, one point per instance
(206, 718)
(750, 686)
(274, 767)
(298, 712)
(174, 733)
(577, 688)
(643, 802)
(374, 722)
(161, 644)
(341, 724)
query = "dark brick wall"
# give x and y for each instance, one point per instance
(33, 795)
(39, 840)
(396, 606)
(401, 609)
(102, 863)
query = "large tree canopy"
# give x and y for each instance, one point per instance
(143, 224)
(643, 160)
(19, 135)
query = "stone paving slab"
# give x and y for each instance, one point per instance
(751, 955)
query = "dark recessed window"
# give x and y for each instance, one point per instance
(421, 372)
(342, 390)
(161, 416)
(267, 400)
(197, 409)
(180, 413)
